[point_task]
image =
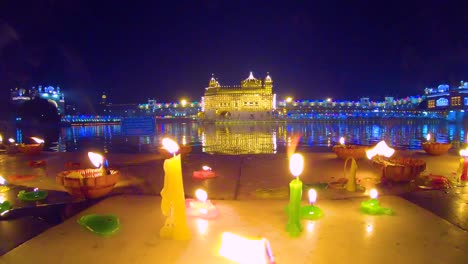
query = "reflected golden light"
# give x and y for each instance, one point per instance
(96, 159)
(170, 145)
(381, 149)
(310, 226)
(202, 226)
(236, 140)
(37, 140)
(296, 164)
(243, 250)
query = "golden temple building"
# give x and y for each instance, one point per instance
(252, 100)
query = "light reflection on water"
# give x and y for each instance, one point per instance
(256, 138)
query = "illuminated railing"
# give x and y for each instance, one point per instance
(77, 119)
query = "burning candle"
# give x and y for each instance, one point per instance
(3, 185)
(342, 140)
(428, 137)
(99, 162)
(201, 207)
(311, 211)
(372, 205)
(464, 164)
(296, 165)
(11, 140)
(173, 198)
(205, 173)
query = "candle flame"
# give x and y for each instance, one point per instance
(206, 168)
(11, 140)
(96, 159)
(342, 140)
(464, 152)
(170, 145)
(2, 180)
(381, 149)
(36, 189)
(312, 196)
(428, 137)
(373, 194)
(369, 228)
(2, 199)
(296, 164)
(1, 138)
(201, 195)
(38, 140)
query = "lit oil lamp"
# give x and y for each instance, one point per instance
(201, 207)
(372, 205)
(32, 149)
(35, 195)
(3, 185)
(345, 151)
(205, 173)
(311, 211)
(435, 148)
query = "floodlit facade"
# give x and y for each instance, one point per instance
(252, 100)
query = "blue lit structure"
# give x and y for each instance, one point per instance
(54, 95)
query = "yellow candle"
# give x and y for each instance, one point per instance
(173, 198)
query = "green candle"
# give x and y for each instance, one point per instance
(35, 195)
(373, 207)
(294, 226)
(311, 211)
(4, 206)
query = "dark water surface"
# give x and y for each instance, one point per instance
(252, 138)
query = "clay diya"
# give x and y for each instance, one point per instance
(89, 183)
(435, 148)
(345, 151)
(32, 149)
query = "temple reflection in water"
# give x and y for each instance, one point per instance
(238, 139)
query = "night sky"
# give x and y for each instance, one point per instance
(169, 49)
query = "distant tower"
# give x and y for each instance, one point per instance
(213, 82)
(103, 99)
(268, 82)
